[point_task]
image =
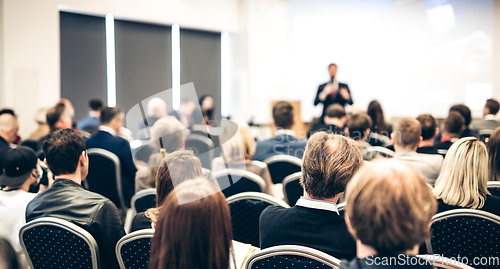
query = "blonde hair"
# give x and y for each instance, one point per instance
(463, 178)
(170, 130)
(238, 143)
(390, 206)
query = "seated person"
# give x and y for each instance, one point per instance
(466, 113)
(107, 138)
(389, 208)
(358, 128)
(43, 128)
(406, 138)
(452, 129)
(463, 179)
(429, 133)
(91, 123)
(376, 114)
(330, 161)
(66, 199)
(334, 120)
(58, 117)
(488, 122)
(285, 141)
(21, 169)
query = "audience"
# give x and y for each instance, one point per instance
(451, 129)
(8, 256)
(285, 141)
(21, 169)
(462, 182)
(91, 123)
(9, 126)
(334, 120)
(388, 210)
(429, 133)
(406, 138)
(488, 122)
(66, 199)
(43, 128)
(358, 128)
(195, 235)
(377, 116)
(494, 155)
(466, 113)
(330, 161)
(185, 113)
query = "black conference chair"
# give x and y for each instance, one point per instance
(234, 181)
(143, 200)
(32, 144)
(292, 189)
(56, 243)
(105, 176)
(245, 213)
(372, 153)
(465, 233)
(132, 250)
(494, 188)
(484, 135)
(290, 256)
(204, 148)
(281, 166)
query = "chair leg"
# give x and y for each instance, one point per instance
(128, 220)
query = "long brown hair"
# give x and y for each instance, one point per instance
(494, 155)
(174, 169)
(194, 235)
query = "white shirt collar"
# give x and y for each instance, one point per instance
(107, 129)
(489, 117)
(285, 132)
(317, 204)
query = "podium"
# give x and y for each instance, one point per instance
(299, 127)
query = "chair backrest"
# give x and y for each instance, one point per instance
(281, 166)
(132, 250)
(371, 153)
(234, 181)
(494, 188)
(383, 139)
(465, 233)
(245, 213)
(341, 208)
(204, 147)
(292, 189)
(105, 175)
(143, 200)
(289, 256)
(55, 243)
(443, 262)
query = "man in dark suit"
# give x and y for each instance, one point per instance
(111, 122)
(332, 92)
(330, 161)
(285, 142)
(334, 121)
(91, 123)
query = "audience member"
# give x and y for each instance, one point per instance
(66, 199)
(175, 168)
(330, 161)
(358, 128)
(466, 113)
(91, 123)
(207, 107)
(334, 120)
(8, 256)
(21, 169)
(388, 210)
(9, 126)
(488, 122)
(8, 111)
(376, 114)
(285, 141)
(111, 122)
(462, 182)
(157, 109)
(451, 129)
(195, 235)
(43, 128)
(494, 155)
(185, 113)
(332, 92)
(429, 133)
(57, 118)
(406, 138)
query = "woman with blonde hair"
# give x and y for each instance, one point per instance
(463, 178)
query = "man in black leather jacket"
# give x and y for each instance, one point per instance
(66, 157)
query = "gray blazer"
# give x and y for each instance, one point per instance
(429, 165)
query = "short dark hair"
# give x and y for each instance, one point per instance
(493, 106)
(357, 125)
(428, 124)
(464, 111)
(109, 113)
(62, 151)
(332, 64)
(454, 123)
(407, 132)
(8, 111)
(54, 114)
(283, 115)
(96, 104)
(335, 111)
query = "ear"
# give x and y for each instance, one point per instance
(324, 118)
(83, 158)
(346, 131)
(367, 132)
(436, 133)
(45, 162)
(393, 138)
(351, 230)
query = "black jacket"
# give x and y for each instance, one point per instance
(330, 100)
(4, 147)
(68, 200)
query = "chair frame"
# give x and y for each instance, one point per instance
(461, 213)
(444, 262)
(341, 207)
(206, 140)
(132, 212)
(118, 180)
(144, 233)
(240, 173)
(385, 139)
(493, 184)
(66, 225)
(293, 250)
(283, 158)
(256, 196)
(287, 180)
(378, 149)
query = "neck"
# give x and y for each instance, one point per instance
(427, 143)
(333, 200)
(94, 114)
(451, 135)
(76, 177)
(398, 148)
(362, 250)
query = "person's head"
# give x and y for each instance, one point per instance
(9, 127)
(170, 131)
(335, 114)
(358, 126)
(8, 256)
(157, 107)
(329, 162)
(187, 107)
(407, 134)
(41, 116)
(194, 235)
(389, 208)
(491, 107)
(376, 113)
(453, 125)
(494, 155)
(429, 126)
(238, 142)
(112, 117)
(464, 111)
(206, 102)
(463, 177)
(68, 107)
(332, 70)
(96, 105)
(20, 168)
(66, 154)
(283, 115)
(58, 117)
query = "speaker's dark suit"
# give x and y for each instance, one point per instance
(330, 100)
